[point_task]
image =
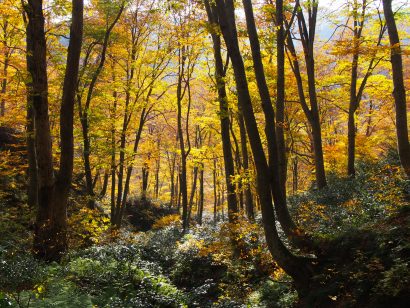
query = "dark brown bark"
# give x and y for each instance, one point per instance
(121, 205)
(249, 204)
(5, 72)
(104, 187)
(185, 68)
(356, 93)
(215, 192)
(157, 170)
(201, 195)
(84, 119)
(280, 95)
(223, 112)
(293, 265)
(192, 194)
(307, 35)
(145, 175)
(113, 157)
(50, 239)
(399, 92)
(276, 167)
(32, 189)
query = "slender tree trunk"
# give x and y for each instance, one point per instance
(201, 195)
(113, 158)
(104, 184)
(172, 185)
(249, 205)
(183, 168)
(121, 205)
(192, 195)
(369, 120)
(294, 266)
(295, 175)
(223, 114)
(312, 113)
(280, 93)
(145, 174)
(399, 92)
(157, 169)
(215, 192)
(84, 112)
(277, 163)
(4, 81)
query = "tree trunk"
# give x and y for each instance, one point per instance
(122, 199)
(215, 192)
(276, 165)
(145, 174)
(84, 112)
(293, 265)
(104, 184)
(280, 93)
(113, 158)
(201, 195)
(32, 189)
(50, 239)
(399, 92)
(312, 113)
(4, 81)
(192, 195)
(223, 114)
(249, 205)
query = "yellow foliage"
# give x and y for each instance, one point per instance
(166, 221)
(86, 227)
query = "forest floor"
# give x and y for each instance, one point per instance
(361, 225)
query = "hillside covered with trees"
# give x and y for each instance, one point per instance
(204, 153)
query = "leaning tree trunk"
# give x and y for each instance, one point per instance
(276, 162)
(294, 266)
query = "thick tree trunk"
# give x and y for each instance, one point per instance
(399, 92)
(50, 239)
(32, 189)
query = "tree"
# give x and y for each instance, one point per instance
(50, 239)
(294, 266)
(223, 110)
(307, 36)
(359, 17)
(84, 108)
(399, 91)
